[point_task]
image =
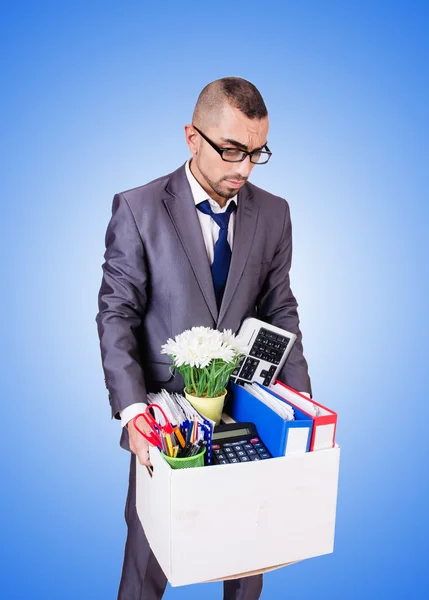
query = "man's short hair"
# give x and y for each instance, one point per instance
(238, 92)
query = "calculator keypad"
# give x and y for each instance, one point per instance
(268, 346)
(239, 451)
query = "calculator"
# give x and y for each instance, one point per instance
(269, 348)
(237, 442)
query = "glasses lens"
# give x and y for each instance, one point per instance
(260, 158)
(232, 155)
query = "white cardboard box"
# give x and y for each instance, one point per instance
(233, 520)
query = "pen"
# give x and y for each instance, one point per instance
(196, 448)
(189, 436)
(187, 451)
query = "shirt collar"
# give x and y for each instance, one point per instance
(199, 194)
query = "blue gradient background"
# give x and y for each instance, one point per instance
(94, 99)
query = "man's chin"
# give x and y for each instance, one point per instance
(228, 194)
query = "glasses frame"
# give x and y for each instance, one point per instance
(220, 151)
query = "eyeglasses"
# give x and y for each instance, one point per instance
(257, 157)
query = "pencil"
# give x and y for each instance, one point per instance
(169, 445)
(179, 437)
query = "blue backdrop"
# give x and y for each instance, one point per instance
(94, 99)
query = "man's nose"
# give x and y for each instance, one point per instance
(244, 167)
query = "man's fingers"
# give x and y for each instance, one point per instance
(144, 457)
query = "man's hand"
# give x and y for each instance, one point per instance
(138, 444)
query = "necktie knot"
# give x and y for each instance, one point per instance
(221, 219)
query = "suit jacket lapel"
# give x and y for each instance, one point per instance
(181, 208)
(244, 232)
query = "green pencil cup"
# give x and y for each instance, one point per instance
(185, 463)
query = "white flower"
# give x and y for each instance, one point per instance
(226, 353)
(198, 346)
(171, 347)
(234, 342)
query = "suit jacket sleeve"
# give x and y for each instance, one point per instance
(122, 301)
(277, 305)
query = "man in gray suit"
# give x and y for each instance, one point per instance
(200, 246)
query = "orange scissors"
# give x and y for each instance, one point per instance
(157, 430)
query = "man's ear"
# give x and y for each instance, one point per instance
(192, 139)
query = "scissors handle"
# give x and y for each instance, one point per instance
(154, 438)
(167, 427)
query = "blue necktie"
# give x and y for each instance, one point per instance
(222, 250)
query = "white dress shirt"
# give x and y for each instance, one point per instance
(210, 231)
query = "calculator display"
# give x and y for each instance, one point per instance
(229, 434)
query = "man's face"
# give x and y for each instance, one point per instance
(234, 130)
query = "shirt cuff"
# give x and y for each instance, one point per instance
(131, 411)
(305, 394)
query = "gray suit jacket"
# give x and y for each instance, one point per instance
(157, 282)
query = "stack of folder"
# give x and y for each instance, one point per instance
(313, 426)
